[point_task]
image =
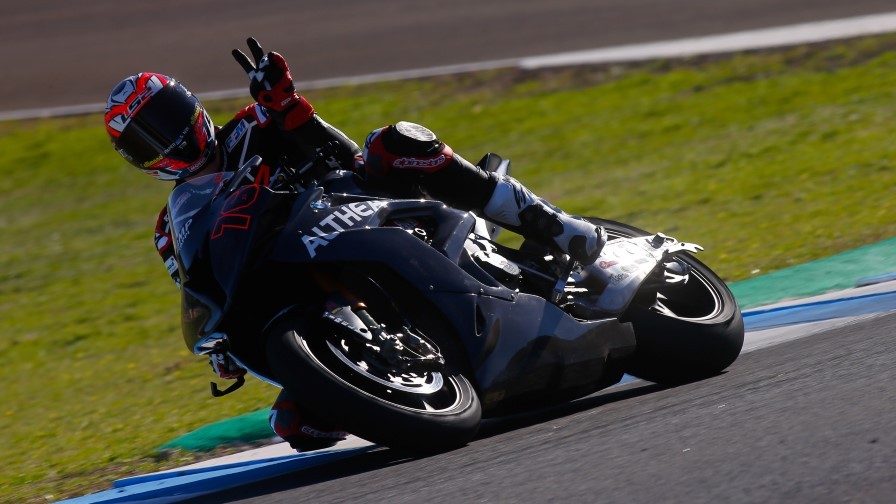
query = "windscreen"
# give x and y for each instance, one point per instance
(186, 201)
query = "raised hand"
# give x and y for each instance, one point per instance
(270, 82)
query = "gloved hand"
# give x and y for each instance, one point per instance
(271, 85)
(225, 367)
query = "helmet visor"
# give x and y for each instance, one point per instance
(163, 129)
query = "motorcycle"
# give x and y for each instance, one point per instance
(406, 323)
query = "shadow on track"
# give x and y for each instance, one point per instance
(500, 425)
(385, 457)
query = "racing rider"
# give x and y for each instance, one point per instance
(157, 125)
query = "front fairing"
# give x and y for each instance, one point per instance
(221, 236)
(191, 201)
(216, 233)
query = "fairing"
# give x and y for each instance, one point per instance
(520, 347)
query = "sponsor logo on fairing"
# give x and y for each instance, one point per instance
(183, 233)
(330, 226)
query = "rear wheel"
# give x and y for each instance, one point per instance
(683, 332)
(414, 406)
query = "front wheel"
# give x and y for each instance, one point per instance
(416, 409)
(683, 332)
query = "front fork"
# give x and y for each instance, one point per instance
(390, 349)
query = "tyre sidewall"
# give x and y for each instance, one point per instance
(325, 394)
(673, 350)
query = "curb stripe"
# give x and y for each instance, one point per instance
(178, 488)
(820, 310)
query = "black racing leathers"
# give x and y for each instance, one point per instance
(252, 132)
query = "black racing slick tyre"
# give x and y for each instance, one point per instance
(684, 332)
(422, 412)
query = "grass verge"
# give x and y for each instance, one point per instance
(768, 159)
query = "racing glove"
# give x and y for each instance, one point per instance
(271, 85)
(224, 366)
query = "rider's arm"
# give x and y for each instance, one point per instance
(164, 245)
(271, 85)
(316, 133)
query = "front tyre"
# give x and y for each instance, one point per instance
(416, 410)
(686, 332)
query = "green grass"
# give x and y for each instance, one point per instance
(768, 160)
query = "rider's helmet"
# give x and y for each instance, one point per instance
(159, 126)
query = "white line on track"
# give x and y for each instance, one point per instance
(781, 36)
(804, 33)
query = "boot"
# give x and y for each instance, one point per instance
(514, 206)
(301, 430)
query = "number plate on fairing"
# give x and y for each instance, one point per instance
(625, 263)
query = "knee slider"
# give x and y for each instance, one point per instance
(411, 139)
(405, 145)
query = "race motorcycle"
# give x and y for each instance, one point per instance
(405, 322)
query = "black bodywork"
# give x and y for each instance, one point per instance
(248, 253)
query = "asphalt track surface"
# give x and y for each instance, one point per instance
(811, 420)
(57, 53)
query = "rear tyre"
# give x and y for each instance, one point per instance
(683, 333)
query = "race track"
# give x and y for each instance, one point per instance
(58, 53)
(811, 420)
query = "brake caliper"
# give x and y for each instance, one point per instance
(401, 351)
